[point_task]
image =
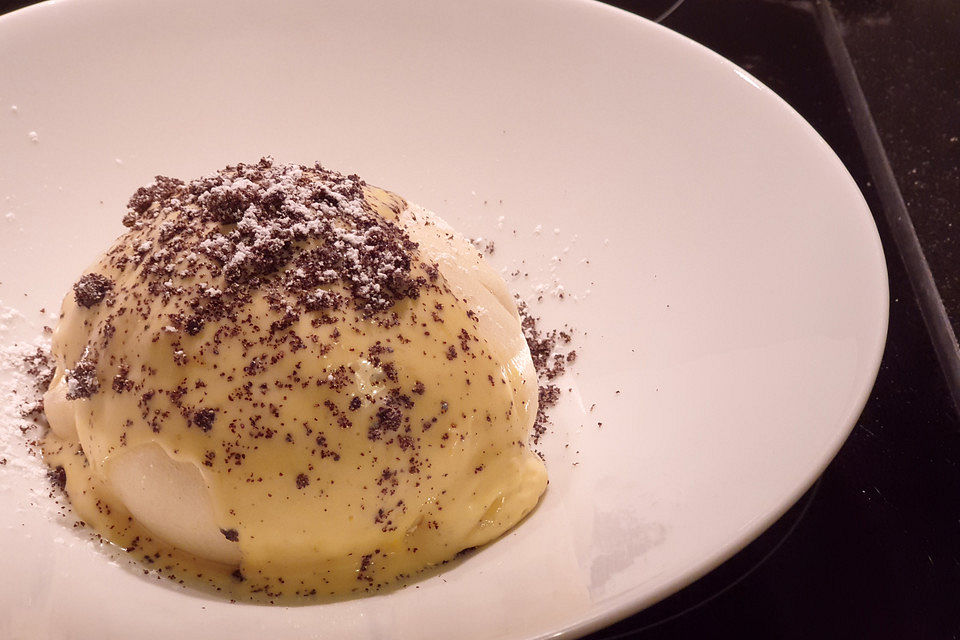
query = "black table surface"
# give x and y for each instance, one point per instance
(873, 549)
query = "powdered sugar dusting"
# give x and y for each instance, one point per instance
(22, 366)
(255, 222)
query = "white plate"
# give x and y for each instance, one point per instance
(735, 293)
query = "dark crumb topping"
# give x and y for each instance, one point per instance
(39, 368)
(204, 418)
(91, 289)
(547, 395)
(254, 222)
(58, 477)
(387, 419)
(483, 246)
(543, 346)
(231, 534)
(548, 363)
(82, 380)
(365, 563)
(121, 382)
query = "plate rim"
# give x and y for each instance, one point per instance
(629, 603)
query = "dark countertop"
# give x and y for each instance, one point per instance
(907, 56)
(873, 549)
